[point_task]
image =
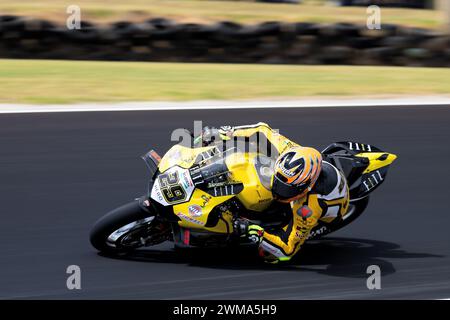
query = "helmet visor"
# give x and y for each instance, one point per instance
(286, 191)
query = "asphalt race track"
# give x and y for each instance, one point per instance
(59, 172)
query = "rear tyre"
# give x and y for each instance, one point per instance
(355, 210)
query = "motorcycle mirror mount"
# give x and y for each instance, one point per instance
(152, 160)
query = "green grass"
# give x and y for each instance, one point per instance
(209, 11)
(44, 81)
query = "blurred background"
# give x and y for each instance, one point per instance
(60, 171)
(141, 50)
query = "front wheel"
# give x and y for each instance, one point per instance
(127, 228)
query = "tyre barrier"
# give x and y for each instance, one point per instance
(161, 39)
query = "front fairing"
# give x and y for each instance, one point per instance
(174, 187)
(181, 156)
(196, 201)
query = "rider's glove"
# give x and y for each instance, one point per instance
(209, 135)
(255, 233)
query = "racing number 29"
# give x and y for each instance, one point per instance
(170, 188)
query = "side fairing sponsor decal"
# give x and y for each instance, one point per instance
(195, 210)
(190, 219)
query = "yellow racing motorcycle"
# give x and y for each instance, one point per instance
(195, 195)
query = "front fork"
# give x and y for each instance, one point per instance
(160, 229)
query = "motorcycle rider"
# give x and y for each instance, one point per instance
(314, 189)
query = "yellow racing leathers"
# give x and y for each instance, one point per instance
(327, 201)
(262, 134)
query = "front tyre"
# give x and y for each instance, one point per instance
(127, 228)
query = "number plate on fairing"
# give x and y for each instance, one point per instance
(173, 186)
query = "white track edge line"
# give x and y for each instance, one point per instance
(199, 105)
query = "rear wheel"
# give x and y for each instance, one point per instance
(127, 228)
(355, 210)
